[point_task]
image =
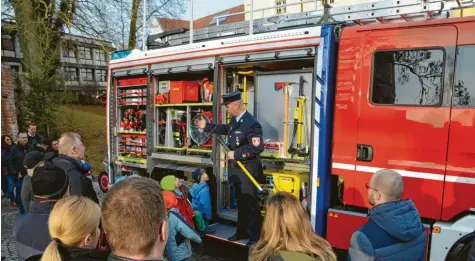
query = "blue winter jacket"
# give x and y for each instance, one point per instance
(394, 232)
(201, 199)
(179, 235)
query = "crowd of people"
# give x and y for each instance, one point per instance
(144, 219)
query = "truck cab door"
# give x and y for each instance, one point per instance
(459, 191)
(404, 111)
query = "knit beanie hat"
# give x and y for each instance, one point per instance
(49, 181)
(168, 183)
(170, 199)
(197, 175)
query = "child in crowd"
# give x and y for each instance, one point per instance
(179, 232)
(201, 199)
(173, 184)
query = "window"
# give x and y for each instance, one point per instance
(99, 55)
(71, 73)
(84, 53)
(100, 75)
(281, 10)
(220, 19)
(69, 52)
(408, 77)
(464, 84)
(87, 75)
(7, 44)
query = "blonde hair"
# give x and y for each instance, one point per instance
(67, 142)
(287, 227)
(72, 219)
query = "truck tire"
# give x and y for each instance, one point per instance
(461, 249)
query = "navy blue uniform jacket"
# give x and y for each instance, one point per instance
(245, 139)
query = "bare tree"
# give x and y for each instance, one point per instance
(119, 20)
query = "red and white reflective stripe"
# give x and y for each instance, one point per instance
(407, 173)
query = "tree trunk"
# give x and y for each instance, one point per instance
(133, 24)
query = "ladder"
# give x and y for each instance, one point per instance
(387, 11)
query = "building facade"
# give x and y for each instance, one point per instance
(83, 62)
(160, 25)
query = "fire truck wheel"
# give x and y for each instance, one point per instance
(460, 250)
(104, 181)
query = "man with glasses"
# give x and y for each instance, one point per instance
(394, 230)
(71, 153)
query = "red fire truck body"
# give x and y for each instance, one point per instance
(433, 147)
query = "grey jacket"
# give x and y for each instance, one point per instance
(31, 230)
(27, 193)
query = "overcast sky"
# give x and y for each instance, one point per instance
(203, 8)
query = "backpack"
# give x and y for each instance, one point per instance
(185, 208)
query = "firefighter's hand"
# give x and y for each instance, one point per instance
(231, 155)
(201, 123)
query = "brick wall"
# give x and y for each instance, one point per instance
(9, 118)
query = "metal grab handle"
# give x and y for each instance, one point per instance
(364, 152)
(239, 163)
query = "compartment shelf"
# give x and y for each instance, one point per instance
(181, 158)
(132, 160)
(132, 132)
(132, 86)
(183, 149)
(130, 164)
(197, 104)
(169, 148)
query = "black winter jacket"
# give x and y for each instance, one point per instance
(16, 157)
(77, 254)
(79, 184)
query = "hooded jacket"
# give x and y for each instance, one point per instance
(201, 199)
(179, 235)
(394, 232)
(79, 184)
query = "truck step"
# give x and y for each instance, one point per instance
(223, 232)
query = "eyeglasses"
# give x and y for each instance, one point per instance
(369, 187)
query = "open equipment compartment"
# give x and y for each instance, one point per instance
(130, 131)
(178, 98)
(262, 85)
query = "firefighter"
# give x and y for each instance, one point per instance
(245, 140)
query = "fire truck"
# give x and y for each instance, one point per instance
(340, 92)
